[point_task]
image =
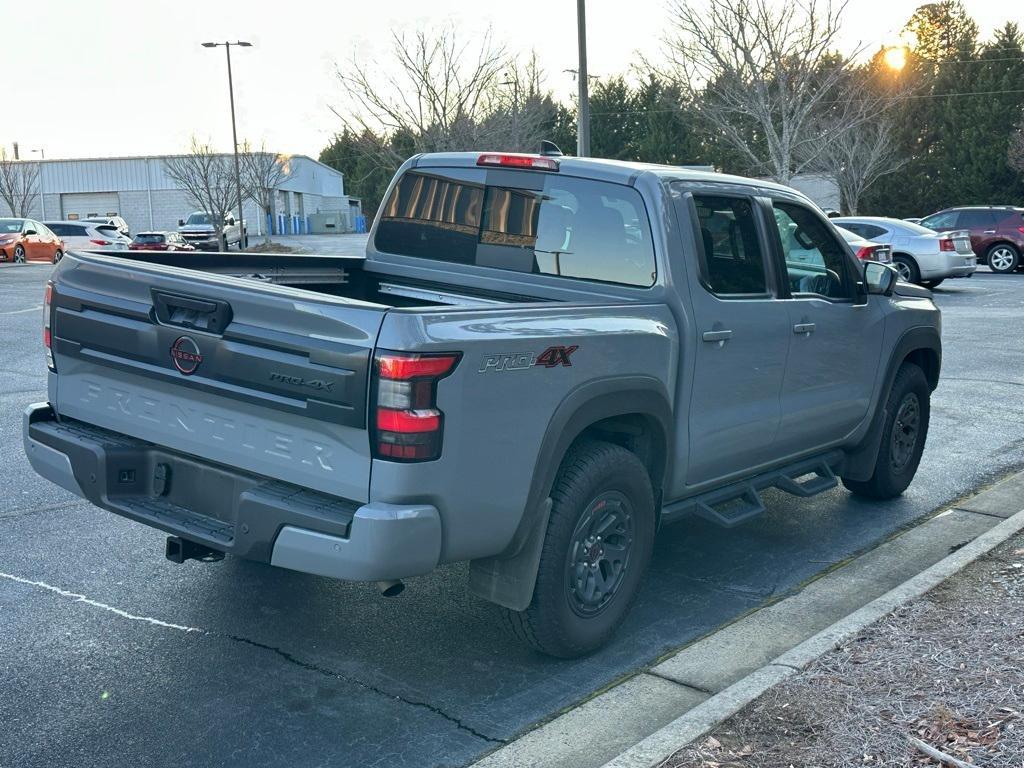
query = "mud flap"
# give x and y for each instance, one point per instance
(860, 462)
(509, 581)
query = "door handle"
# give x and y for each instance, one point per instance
(717, 335)
(803, 328)
(989, 232)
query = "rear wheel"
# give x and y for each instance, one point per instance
(58, 255)
(933, 283)
(907, 267)
(1003, 258)
(19, 254)
(598, 543)
(908, 409)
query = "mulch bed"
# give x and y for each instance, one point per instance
(946, 671)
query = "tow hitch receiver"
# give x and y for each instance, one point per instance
(179, 550)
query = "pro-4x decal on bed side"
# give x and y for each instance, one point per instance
(552, 357)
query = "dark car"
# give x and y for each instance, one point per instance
(997, 232)
(160, 241)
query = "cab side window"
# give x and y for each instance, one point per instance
(817, 263)
(733, 263)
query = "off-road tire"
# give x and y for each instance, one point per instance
(896, 465)
(552, 623)
(1008, 258)
(907, 268)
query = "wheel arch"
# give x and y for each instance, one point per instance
(921, 346)
(631, 411)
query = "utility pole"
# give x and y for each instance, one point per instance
(234, 136)
(42, 205)
(514, 82)
(583, 121)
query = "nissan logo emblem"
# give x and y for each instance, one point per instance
(185, 355)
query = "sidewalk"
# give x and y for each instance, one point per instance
(946, 669)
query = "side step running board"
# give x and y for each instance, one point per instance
(738, 502)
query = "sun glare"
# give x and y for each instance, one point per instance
(895, 57)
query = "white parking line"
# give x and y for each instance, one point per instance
(22, 311)
(96, 604)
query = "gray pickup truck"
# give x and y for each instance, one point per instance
(540, 361)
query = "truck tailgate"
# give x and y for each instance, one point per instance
(265, 378)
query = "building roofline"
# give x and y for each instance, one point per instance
(161, 157)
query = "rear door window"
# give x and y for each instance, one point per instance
(733, 263)
(526, 222)
(976, 220)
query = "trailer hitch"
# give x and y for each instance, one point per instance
(179, 550)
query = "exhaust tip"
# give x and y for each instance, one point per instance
(391, 588)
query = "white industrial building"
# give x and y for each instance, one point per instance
(309, 198)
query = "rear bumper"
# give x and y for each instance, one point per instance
(948, 266)
(232, 511)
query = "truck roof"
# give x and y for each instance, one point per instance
(600, 168)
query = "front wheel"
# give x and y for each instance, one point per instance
(19, 254)
(598, 543)
(57, 256)
(1003, 258)
(908, 409)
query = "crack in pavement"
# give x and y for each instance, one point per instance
(26, 511)
(290, 658)
(311, 667)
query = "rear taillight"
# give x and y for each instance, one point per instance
(47, 338)
(865, 253)
(100, 242)
(1021, 230)
(945, 244)
(407, 425)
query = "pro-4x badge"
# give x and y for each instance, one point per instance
(552, 357)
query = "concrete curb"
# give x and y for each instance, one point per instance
(664, 742)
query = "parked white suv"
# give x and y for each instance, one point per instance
(89, 236)
(114, 221)
(921, 255)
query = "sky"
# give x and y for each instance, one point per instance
(113, 78)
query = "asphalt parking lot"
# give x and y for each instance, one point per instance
(111, 655)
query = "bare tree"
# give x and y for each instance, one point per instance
(438, 100)
(762, 74)
(262, 171)
(208, 178)
(19, 183)
(858, 157)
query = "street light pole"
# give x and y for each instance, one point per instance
(42, 205)
(583, 122)
(234, 135)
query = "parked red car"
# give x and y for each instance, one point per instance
(997, 232)
(159, 241)
(24, 240)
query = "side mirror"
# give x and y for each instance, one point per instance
(880, 278)
(181, 222)
(30, 232)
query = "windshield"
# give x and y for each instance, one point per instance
(198, 219)
(10, 225)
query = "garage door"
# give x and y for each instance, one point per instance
(83, 205)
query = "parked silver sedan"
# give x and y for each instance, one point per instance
(921, 255)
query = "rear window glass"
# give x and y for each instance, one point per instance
(67, 230)
(578, 228)
(149, 238)
(108, 230)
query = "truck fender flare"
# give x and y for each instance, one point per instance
(860, 461)
(508, 579)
